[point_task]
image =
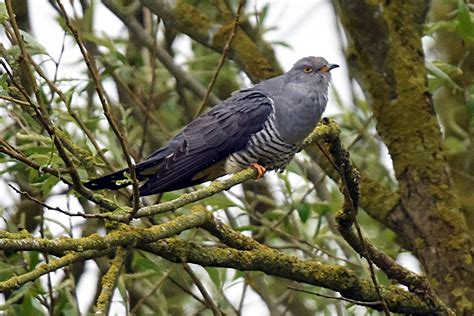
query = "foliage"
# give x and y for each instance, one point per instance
(127, 94)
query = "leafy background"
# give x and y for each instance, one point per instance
(292, 211)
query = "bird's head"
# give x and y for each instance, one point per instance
(311, 70)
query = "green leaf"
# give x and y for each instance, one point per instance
(30, 306)
(238, 274)
(453, 146)
(304, 210)
(263, 16)
(431, 28)
(3, 13)
(41, 159)
(318, 227)
(144, 264)
(470, 99)
(216, 277)
(219, 201)
(470, 104)
(7, 270)
(69, 95)
(248, 228)
(33, 259)
(66, 303)
(465, 25)
(323, 207)
(48, 184)
(107, 43)
(441, 74)
(275, 214)
(4, 81)
(32, 45)
(281, 43)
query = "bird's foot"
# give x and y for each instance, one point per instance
(259, 168)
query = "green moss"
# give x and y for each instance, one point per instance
(374, 197)
(243, 50)
(468, 259)
(462, 303)
(191, 18)
(84, 157)
(419, 243)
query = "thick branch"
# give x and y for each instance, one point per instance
(53, 265)
(388, 61)
(123, 236)
(274, 263)
(109, 281)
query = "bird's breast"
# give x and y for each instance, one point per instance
(266, 148)
(296, 120)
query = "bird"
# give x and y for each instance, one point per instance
(260, 127)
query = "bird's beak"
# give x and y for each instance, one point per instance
(328, 68)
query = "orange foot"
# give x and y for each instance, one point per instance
(259, 168)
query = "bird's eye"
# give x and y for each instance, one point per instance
(308, 69)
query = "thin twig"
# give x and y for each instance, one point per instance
(187, 291)
(233, 32)
(52, 208)
(14, 153)
(73, 114)
(91, 66)
(10, 99)
(207, 298)
(142, 300)
(50, 303)
(335, 298)
(168, 62)
(242, 298)
(148, 18)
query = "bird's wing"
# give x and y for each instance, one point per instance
(208, 140)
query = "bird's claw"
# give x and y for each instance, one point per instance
(259, 168)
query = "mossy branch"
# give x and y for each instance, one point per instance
(187, 19)
(53, 265)
(247, 255)
(109, 282)
(388, 61)
(123, 236)
(275, 263)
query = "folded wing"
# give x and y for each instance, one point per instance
(205, 142)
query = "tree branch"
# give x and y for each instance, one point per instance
(141, 35)
(275, 263)
(187, 19)
(109, 281)
(124, 236)
(53, 265)
(388, 61)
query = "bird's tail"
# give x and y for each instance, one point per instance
(114, 181)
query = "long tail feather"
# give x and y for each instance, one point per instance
(112, 181)
(118, 180)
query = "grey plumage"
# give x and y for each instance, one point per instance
(264, 124)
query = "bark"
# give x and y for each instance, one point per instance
(386, 57)
(185, 18)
